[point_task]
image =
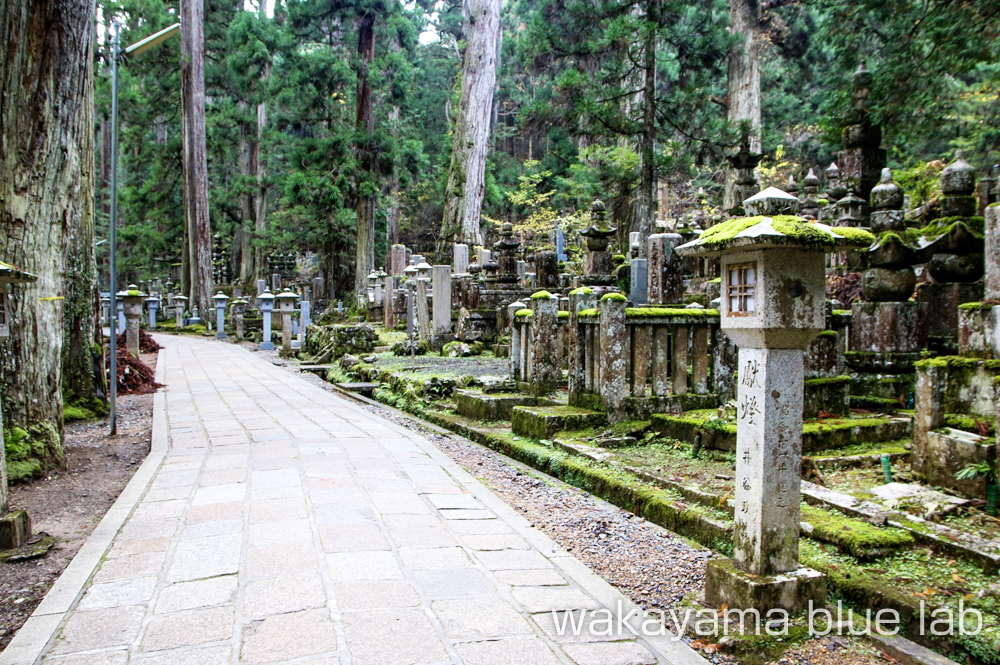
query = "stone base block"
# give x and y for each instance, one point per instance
(958, 206)
(725, 584)
(887, 220)
(890, 327)
(15, 529)
(947, 452)
(542, 422)
(944, 300)
(473, 404)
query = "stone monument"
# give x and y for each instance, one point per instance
(773, 306)
(132, 299)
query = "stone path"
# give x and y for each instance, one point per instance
(287, 525)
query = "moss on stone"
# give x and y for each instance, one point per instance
(841, 312)
(717, 280)
(563, 315)
(657, 312)
(968, 423)
(791, 226)
(938, 227)
(616, 297)
(542, 295)
(853, 536)
(829, 333)
(588, 313)
(582, 291)
(959, 362)
(973, 306)
(828, 381)
(522, 313)
(73, 413)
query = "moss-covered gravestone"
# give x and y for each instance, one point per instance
(773, 295)
(132, 299)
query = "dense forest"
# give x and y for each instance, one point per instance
(329, 130)
(334, 122)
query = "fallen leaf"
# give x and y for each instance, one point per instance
(957, 578)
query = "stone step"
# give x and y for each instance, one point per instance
(366, 389)
(542, 422)
(489, 407)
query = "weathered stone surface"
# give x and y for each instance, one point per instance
(887, 195)
(441, 282)
(771, 201)
(546, 352)
(956, 268)
(726, 584)
(889, 284)
(928, 414)
(639, 292)
(546, 270)
(947, 452)
(889, 327)
(992, 242)
(665, 269)
(943, 300)
(460, 258)
(614, 356)
(887, 220)
(422, 315)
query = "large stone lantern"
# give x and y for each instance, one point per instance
(286, 304)
(220, 299)
(132, 299)
(266, 301)
(15, 528)
(179, 303)
(773, 306)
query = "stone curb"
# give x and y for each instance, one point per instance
(39, 630)
(907, 651)
(667, 649)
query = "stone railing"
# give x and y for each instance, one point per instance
(537, 342)
(634, 362)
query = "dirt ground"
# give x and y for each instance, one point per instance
(68, 504)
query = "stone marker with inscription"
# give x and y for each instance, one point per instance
(773, 296)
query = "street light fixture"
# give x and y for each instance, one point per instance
(116, 55)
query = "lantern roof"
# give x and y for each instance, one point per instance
(762, 232)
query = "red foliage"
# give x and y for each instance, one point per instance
(845, 288)
(134, 376)
(146, 342)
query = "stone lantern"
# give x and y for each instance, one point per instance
(887, 205)
(237, 308)
(286, 304)
(266, 300)
(409, 272)
(220, 299)
(424, 270)
(132, 299)
(773, 305)
(105, 310)
(15, 527)
(958, 184)
(598, 265)
(179, 303)
(152, 304)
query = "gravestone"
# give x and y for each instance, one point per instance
(773, 306)
(389, 305)
(546, 270)
(397, 260)
(461, 258)
(561, 245)
(665, 270)
(639, 292)
(992, 291)
(275, 282)
(441, 286)
(423, 319)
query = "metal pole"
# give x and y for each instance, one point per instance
(113, 236)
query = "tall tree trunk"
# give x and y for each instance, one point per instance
(259, 164)
(46, 143)
(247, 198)
(392, 212)
(743, 80)
(365, 122)
(645, 207)
(470, 134)
(195, 165)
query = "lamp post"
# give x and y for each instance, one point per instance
(116, 55)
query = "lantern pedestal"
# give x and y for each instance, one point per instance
(726, 584)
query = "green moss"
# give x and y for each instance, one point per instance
(959, 362)
(618, 258)
(563, 315)
(842, 424)
(841, 312)
(31, 451)
(968, 423)
(615, 297)
(853, 536)
(717, 280)
(872, 403)
(657, 312)
(542, 295)
(974, 225)
(823, 202)
(828, 381)
(829, 333)
(522, 313)
(582, 291)
(993, 205)
(72, 413)
(980, 306)
(589, 314)
(792, 226)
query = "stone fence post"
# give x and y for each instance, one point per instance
(546, 355)
(613, 379)
(579, 300)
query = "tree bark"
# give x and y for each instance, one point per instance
(46, 200)
(246, 198)
(365, 122)
(743, 81)
(470, 133)
(259, 167)
(645, 206)
(195, 164)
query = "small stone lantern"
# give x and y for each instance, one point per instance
(15, 528)
(152, 304)
(286, 304)
(132, 299)
(266, 300)
(237, 308)
(179, 303)
(773, 306)
(105, 310)
(220, 299)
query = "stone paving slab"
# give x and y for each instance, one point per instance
(286, 524)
